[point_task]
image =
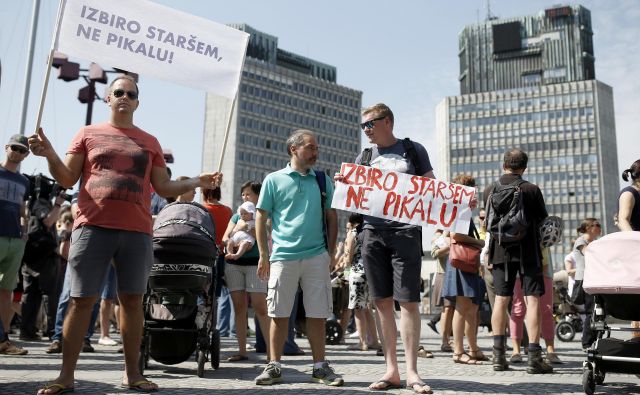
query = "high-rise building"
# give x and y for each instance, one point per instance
(563, 118)
(279, 92)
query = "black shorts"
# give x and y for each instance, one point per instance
(392, 263)
(531, 279)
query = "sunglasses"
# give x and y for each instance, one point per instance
(597, 224)
(120, 92)
(17, 148)
(370, 124)
(481, 218)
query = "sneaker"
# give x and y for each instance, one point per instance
(326, 375)
(516, 358)
(553, 358)
(87, 347)
(107, 341)
(54, 348)
(7, 348)
(270, 375)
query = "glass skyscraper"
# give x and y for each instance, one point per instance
(529, 83)
(279, 92)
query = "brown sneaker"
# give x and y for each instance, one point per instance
(54, 348)
(7, 348)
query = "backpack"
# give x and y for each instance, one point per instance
(409, 147)
(506, 222)
(322, 184)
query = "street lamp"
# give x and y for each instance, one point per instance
(70, 71)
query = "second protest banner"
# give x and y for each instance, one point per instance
(404, 197)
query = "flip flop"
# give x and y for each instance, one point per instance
(422, 390)
(237, 358)
(61, 389)
(140, 386)
(388, 385)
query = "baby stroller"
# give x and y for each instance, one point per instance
(612, 275)
(180, 306)
(567, 314)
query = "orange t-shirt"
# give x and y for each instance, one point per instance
(115, 188)
(221, 216)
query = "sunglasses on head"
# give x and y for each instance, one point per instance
(17, 148)
(370, 124)
(120, 92)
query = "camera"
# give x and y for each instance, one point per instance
(45, 188)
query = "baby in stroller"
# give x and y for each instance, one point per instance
(241, 239)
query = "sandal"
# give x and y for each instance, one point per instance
(58, 388)
(460, 358)
(237, 358)
(446, 348)
(424, 353)
(141, 386)
(478, 355)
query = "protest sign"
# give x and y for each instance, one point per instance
(151, 39)
(404, 197)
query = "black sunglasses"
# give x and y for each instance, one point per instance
(481, 218)
(17, 148)
(130, 94)
(597, 224)
(369, 124)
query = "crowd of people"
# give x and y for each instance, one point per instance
(278, 249)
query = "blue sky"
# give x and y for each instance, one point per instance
(404, 55)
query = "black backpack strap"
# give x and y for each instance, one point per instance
(365, 157)
(410, 149)
(322, 184)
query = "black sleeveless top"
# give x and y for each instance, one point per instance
(635, 213)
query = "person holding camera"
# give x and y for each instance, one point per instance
(14, 193)
(41, 261)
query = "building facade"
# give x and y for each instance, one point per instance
(566, 124)
(279, 92)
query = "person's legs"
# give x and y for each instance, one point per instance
(11, 252)
(131, 326)
(361, 327)
(315, 328)
(224, 313)
(31, 302)
(447, 325)
(75, 326)
(239, 299)
(471, 330)
(372, 333)
(588, 334)
(385, 310)
(462, 305)
(259, 303)
(242, 248)
(106, 311)
(516, 319)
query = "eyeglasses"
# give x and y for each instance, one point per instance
(17, 148)
(597, 224)
(369, 124)
(130, 94)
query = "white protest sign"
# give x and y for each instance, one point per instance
(154, 40)
(404, 198)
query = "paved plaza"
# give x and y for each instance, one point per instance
(100, 373)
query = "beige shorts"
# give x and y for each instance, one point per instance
(243, 278)
(313, 276)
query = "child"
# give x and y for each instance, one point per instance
(241, 239)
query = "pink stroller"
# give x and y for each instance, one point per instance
(612, 275)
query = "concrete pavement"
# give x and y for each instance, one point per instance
(100, 373)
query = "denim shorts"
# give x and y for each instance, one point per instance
(94, 248)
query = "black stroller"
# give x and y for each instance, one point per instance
(612, 275)
(567, 314)
(180, 306)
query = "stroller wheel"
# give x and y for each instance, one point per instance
(202, 359)
(588, 380)
(565, 331)
(333, 332)
(599, 377)
(214, 349)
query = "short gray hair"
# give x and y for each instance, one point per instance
(296, 139)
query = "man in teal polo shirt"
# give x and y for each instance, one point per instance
(292, 198)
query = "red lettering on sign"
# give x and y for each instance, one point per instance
(391, 201)
(374, 176)
(390, 182)
(454, 213)
(429, 220)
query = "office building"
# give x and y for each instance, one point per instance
(279, 92)
(562, 119)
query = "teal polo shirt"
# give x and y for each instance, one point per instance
(293, 203)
